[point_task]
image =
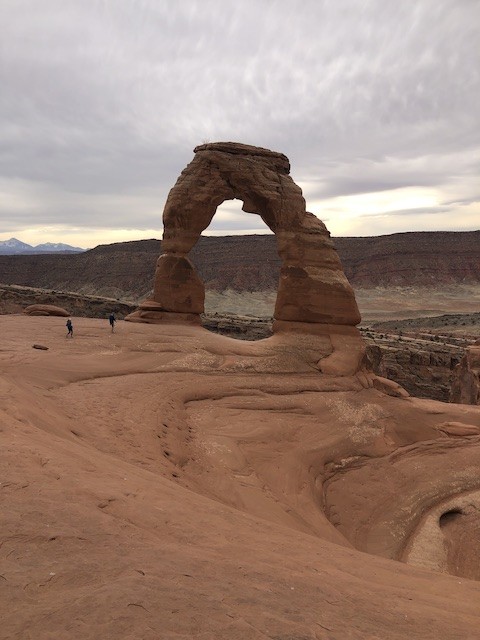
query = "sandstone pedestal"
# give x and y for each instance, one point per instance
(178, 294)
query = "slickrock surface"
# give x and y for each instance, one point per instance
(166, 482)
(421, 361)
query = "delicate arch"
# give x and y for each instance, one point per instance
(313, 288)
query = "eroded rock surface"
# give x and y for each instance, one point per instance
(164, 481)
(45, 310)
(423, 367)
(14, 299)
(466, 382)
(441, 263)
(314, 295)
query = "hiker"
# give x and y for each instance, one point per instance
(69, 326)
(112, 321)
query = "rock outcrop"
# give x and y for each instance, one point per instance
(165, 481)
(45, 310)
(15, 299)
(466, 381)
(314, 295)
(424, 368)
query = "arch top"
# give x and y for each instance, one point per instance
(238, 148)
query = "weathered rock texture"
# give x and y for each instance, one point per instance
(15, 299)
(167, 482)
(424, 368)
(251, 263)
(314, 295)
(422, 363)
(466, 382)
(45, 310)
(313, 287)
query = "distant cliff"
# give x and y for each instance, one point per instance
(434, 257)
(251, 263)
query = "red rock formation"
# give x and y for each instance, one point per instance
(45, 310)
(251, 263)
(313, 290)
(466, 382)
(167, 482)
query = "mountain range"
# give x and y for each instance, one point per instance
(15, 247)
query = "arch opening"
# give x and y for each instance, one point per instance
(240, 272)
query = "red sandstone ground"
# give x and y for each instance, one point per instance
(165, 482)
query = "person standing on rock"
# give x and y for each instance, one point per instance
(69, 326)
(111, 319)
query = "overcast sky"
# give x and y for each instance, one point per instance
(375, 102)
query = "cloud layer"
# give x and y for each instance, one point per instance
(103, 102)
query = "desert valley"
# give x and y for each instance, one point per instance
(272, 464)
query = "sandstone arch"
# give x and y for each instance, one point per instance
(313, 288)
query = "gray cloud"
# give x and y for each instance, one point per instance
(458, 202)
(103, 102)
(364, 175)
(409, 212)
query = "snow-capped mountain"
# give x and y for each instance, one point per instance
(56, 246)
(14, 246)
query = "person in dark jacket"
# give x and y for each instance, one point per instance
(69, 326)
(112, 320)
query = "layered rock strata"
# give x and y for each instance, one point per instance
(314, 295)
(466, 381)
(424, 368)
